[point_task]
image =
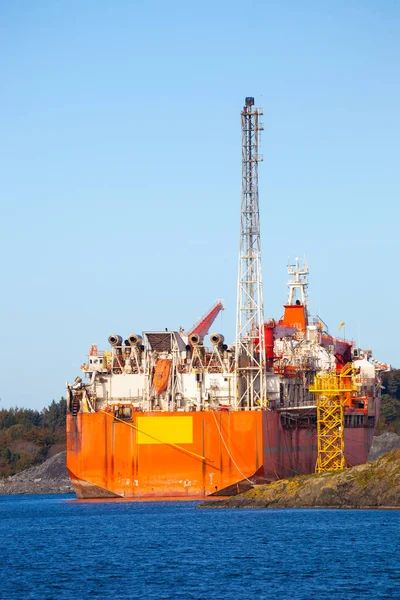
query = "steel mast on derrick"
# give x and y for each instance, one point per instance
(250, 343)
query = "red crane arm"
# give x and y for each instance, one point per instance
(202, 327)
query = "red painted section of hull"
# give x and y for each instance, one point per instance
(291, 452)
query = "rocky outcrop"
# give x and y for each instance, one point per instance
(372, 485)
(386, 442)
(51, 477)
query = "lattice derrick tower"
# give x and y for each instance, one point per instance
(250, 344)
(332, 391)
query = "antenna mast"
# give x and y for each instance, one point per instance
(299, 283)
(250, 343)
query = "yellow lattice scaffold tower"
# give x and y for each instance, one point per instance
(332, 390)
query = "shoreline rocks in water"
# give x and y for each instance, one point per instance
(51, 477)
(372, 485)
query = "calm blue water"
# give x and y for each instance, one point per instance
(52, 548)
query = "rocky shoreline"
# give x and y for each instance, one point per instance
(51, 477)
(372, 485)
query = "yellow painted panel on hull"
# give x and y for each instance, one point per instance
(164, 430)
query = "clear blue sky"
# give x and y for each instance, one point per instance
(120, 170)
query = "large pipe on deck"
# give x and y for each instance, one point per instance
(217, 339)
(115, 340)
(196, 339)
(134, 339)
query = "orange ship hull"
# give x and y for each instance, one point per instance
(162, 454)
(166, 455)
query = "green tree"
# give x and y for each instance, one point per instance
(54, 414)
(391, 383)
(389, 418)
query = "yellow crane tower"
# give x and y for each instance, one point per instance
(332, 390)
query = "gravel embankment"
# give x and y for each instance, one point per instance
(50, 477)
